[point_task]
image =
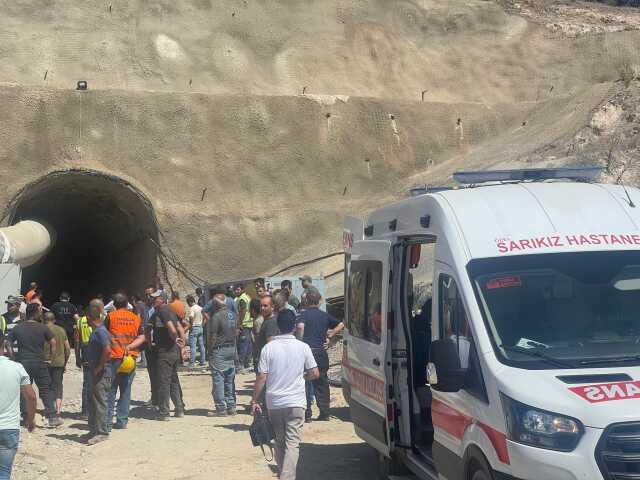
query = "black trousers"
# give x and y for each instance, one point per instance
(320, 386)
(39, 374)
(168, 381)
(152, 370)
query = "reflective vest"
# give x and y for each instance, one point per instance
(247, 321)
(124, 327)
(83, 331)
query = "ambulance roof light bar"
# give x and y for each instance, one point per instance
(578, 174)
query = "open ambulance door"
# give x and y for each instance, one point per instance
(366, 363)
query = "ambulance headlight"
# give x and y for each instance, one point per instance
(539, 428)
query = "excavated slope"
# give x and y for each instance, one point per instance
(203, 94)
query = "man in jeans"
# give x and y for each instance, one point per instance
(125, 328)
(316, 328)
(31, 337)
(285, 364)
(221, 332)
(15, 381)
(197, 321)
(168, 339)
(98, 354)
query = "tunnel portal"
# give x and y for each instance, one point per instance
(104, 230)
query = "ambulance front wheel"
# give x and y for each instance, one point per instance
(478, 468)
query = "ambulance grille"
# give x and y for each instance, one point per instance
(618, 452)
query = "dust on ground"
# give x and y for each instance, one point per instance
(190, 448)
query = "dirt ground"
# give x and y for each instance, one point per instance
(191, 448)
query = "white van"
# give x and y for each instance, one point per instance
(493, 330)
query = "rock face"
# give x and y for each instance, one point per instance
(229, 137)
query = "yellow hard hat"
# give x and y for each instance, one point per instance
(127, 365)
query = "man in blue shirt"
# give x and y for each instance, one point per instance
(316, 328)
(98, 355)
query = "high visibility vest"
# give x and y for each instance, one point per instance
(124, 327)
(83, 331)
(247, 321)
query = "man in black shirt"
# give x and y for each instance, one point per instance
(66, 315)
(31, 337)
(316, 328)
(168, 340)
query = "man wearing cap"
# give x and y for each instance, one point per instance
(168, 338)
(221, 331)
(66, 314)
(316, 328)
(306, 281)
(11, 317)
(285, 364)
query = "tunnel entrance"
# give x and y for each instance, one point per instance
(103, 228)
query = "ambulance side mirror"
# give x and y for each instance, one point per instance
(448, 376)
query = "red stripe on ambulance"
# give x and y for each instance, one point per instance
(608, 392)
(455, 423)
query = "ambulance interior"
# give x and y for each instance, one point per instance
(562, 310)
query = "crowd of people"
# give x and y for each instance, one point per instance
(281, 338)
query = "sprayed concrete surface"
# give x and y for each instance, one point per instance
(191, 448)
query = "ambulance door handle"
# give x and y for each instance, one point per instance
(376, 362)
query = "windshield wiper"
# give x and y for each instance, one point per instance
(537, 354)
(626, 358)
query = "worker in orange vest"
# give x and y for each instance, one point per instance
(127, 338)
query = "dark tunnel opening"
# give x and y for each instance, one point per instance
(103, 228)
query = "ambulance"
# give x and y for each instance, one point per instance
(493, 329)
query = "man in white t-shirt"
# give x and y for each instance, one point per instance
(197, 320)
(285, 364)
(14, 380)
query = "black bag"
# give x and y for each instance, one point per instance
(262, 434)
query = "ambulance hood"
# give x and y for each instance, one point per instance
(596, 397)
(533, 218)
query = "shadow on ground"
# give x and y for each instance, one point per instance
(342, 413)
(236, 427)
(73, 437)
(350, 461)
(143, 412)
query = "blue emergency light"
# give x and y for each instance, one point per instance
(579, 174)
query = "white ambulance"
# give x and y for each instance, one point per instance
(493, 330)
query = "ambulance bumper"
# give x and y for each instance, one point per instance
(531, 463)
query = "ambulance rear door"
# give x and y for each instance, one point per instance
(366, 364)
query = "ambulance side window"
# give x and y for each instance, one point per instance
(365, 300)
(453, 318)
(454, 324)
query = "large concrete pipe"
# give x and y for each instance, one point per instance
(24, 243)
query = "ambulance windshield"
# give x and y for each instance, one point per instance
(564, 310)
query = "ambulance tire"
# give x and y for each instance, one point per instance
(477, 467)
(390, 467)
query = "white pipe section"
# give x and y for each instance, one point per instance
(24, 243)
